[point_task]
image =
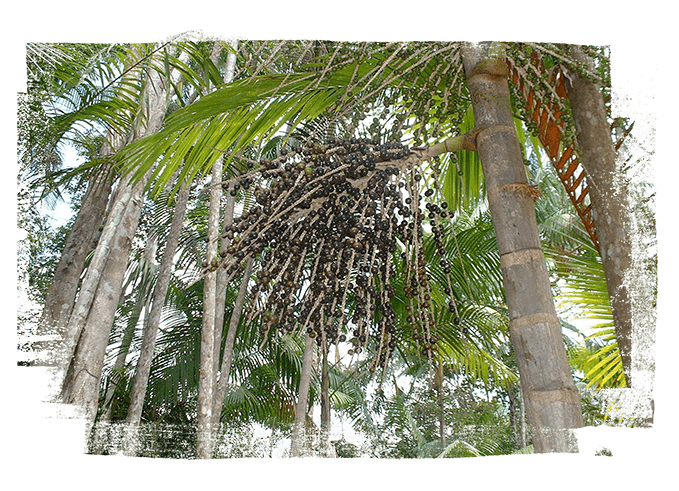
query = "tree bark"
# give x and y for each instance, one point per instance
(109, 402)
(229, 342)
(81, 239)
(214, 294)
(552, 400)
(222, 277)
(299, 423)
(90, 324)
(206, 377)
(627, 283)
(522, 420)
(326, 415)
(152, 324)
(81, 385)
(438, 380)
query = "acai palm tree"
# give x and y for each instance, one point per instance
(328, 179)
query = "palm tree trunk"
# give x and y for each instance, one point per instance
(326, 415)
(438, 379)
(81, 384)
(90, 324)
(229, 342)
(206, 377)
(80, 240)
(222, 277)
(214, 295)
(109, 401)
(553, 402)
(628, 289)
(522, 420)
(152, 323)
(299, 423)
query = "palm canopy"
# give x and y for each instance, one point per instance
(415, 92)
(384, 81)
(341, 79)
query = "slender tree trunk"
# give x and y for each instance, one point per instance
(81, 385)
(152, 323)
(214, 295)
(228, 220)
(64, 286)
(307, 449)
(299, 423)
(109, 401)
(628, 289)
(438, 379)
(522, 420)
(326, 415)
(206, 378)
(222, 277)
(229, 342)
(513, 416)
(552, 400)
(92, 318)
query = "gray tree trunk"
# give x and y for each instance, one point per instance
(92, 318)
(109, 399)
(206, 377)
(220, 389)
(522, 420)
(80, 240)
(214, 294)
(326, 414)
(438, 379)
(552, 400)
(628, 288)
(152, 323)
(299, 423)
(81, 384)
(222, 277)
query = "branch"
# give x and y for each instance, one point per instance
(466, 141)
(454, 144)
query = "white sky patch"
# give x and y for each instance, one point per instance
(61, 213)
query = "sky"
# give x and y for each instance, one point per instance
(62, 211)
